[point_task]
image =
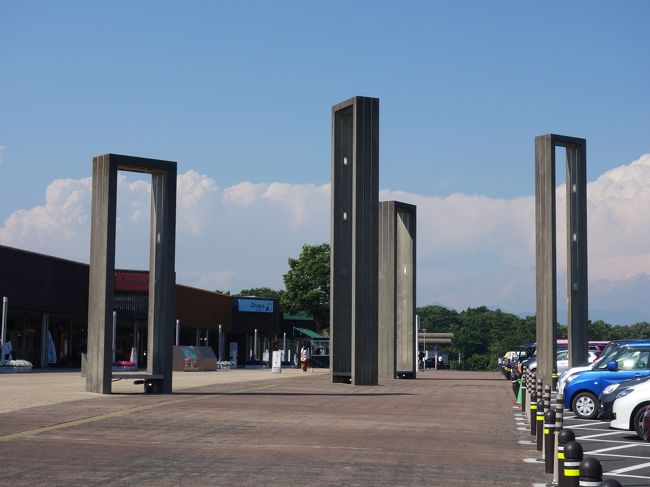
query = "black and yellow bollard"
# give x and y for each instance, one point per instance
(549, 440)
(554, 379)
(547, 397)
(563, 437)
(572, 459)
(533, 414)
(540, 424)
(591, 473)
(524, 374)
(559, 420)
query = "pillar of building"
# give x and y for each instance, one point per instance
(397, 356)
(355, 221)
(546, 252)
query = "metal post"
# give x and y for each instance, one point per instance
(207, 337)
(5, 303)
(540, 425)
(523, 389)
(114, 332)
(220, 343)
(533, 413)
(547, 407)
(424, 349)
(197, 338)
(255, 350)
(549, 444)
(284, 347)
(559, 419)
(178, 330)
(134, 345)
(44, 320)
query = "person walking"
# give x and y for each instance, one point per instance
(304, 358)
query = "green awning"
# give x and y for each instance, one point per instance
(306, 332)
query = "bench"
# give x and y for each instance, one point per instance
(152, 382)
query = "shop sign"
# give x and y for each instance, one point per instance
(255, 305)
(132, 281)
(299, 316)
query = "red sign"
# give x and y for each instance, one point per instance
(132, 281)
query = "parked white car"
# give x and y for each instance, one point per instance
(629, 407)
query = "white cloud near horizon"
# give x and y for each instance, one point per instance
(472, 250)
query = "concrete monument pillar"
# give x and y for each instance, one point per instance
(397, 339)
(162, 281)
(354, 269)
(546, 270)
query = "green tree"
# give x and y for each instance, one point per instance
(599, 330)
(261, 292)
(307, 283)
(438, 319)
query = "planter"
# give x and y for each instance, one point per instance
(124, 368)
(15, 370)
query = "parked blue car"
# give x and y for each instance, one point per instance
(582, 390)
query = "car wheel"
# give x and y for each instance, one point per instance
(585, 405)
(638, 422)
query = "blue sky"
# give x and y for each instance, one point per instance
(241, 92)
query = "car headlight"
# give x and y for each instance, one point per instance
(611, 388)
(623, 393)
(571, 378)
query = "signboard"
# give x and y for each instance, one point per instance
(255, 305)
(300, 315)
(132, 281)
(277, 362)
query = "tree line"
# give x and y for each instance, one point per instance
(481, 335)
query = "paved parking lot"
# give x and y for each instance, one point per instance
(622, 454)
(445, 428)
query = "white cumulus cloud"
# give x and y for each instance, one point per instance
(472, 250)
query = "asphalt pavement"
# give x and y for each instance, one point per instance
(445, 428)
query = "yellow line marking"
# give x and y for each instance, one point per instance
(115, 414)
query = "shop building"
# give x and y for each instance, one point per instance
(48, 313)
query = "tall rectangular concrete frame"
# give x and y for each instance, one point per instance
(545, 244)
(162, 282)
(397, 243)
(354, 237)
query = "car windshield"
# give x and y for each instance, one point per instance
(610, 350)
(629, 359)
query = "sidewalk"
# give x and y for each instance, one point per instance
(252, 427)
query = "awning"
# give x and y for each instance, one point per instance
(306, 332)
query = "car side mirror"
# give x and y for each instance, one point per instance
(612, 366)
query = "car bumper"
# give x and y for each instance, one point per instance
(606, 411)
(619, 424)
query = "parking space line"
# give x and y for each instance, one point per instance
(586, 429)
(586, 426)
(618, 456)
(627, 476)
(612, 448)
(609, 433)
(629, 469)
(602, 440)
